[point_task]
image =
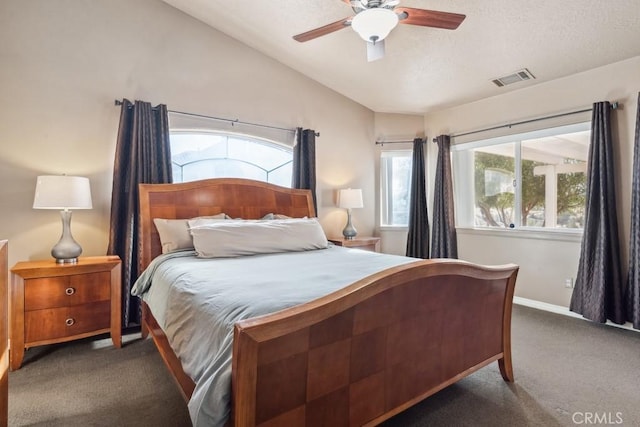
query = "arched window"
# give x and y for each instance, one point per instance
(207, 154)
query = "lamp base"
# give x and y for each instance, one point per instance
(66, 260)
(67, 250)
(349, 231)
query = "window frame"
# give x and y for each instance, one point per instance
(236, 135)
(465, 206)
(385, 195)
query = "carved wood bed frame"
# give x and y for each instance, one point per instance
(357, 356)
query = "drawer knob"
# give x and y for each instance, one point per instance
(70, 291)
(70, 321)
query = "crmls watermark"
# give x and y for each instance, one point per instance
(597, 418)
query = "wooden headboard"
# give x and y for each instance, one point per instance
(238, 198)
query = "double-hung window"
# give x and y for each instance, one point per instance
(395, 187)
(534, 179)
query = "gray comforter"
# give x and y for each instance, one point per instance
(197, 302)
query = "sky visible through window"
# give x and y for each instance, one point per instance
(200, 155)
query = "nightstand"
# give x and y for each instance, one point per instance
(366, 243)
(52, 303)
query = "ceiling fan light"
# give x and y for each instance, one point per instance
(374, 24)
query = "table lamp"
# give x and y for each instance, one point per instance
(64, 193)
(350, 199)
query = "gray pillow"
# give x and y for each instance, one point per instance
(174, 233)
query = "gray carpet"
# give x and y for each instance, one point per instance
(568, 371)
(91, 383)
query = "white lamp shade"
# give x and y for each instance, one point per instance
(62, 192)
(350, 198)
(374, 24)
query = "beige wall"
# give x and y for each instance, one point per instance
(64, 63)
(545, 264)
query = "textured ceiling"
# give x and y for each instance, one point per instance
(427, 69)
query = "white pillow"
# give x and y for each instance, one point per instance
(267, 216)
(281, 216)
(277, 216)
(174, 233)
(237, 238)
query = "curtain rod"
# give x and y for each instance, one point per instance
(398, 142)
(614, 106)
(232, 121)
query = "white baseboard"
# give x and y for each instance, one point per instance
(558, 309)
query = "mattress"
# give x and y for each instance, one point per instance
(197, 302)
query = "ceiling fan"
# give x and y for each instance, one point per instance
(374, 20)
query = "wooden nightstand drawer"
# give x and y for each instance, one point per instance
(55, 323)
(65, 291)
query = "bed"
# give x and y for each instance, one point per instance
(357, 355)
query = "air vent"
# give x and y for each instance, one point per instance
(516, 77)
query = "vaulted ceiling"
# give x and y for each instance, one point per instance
(427, 69)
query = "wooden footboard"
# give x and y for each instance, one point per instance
(369, 351)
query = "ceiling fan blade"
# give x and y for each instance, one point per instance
(375, 50)
(429, 18)
(321, 31)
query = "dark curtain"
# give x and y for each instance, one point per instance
(304, 162)
(418, 235)
(632, 290)
(444, 240)
(598, 289)
(142, 156)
